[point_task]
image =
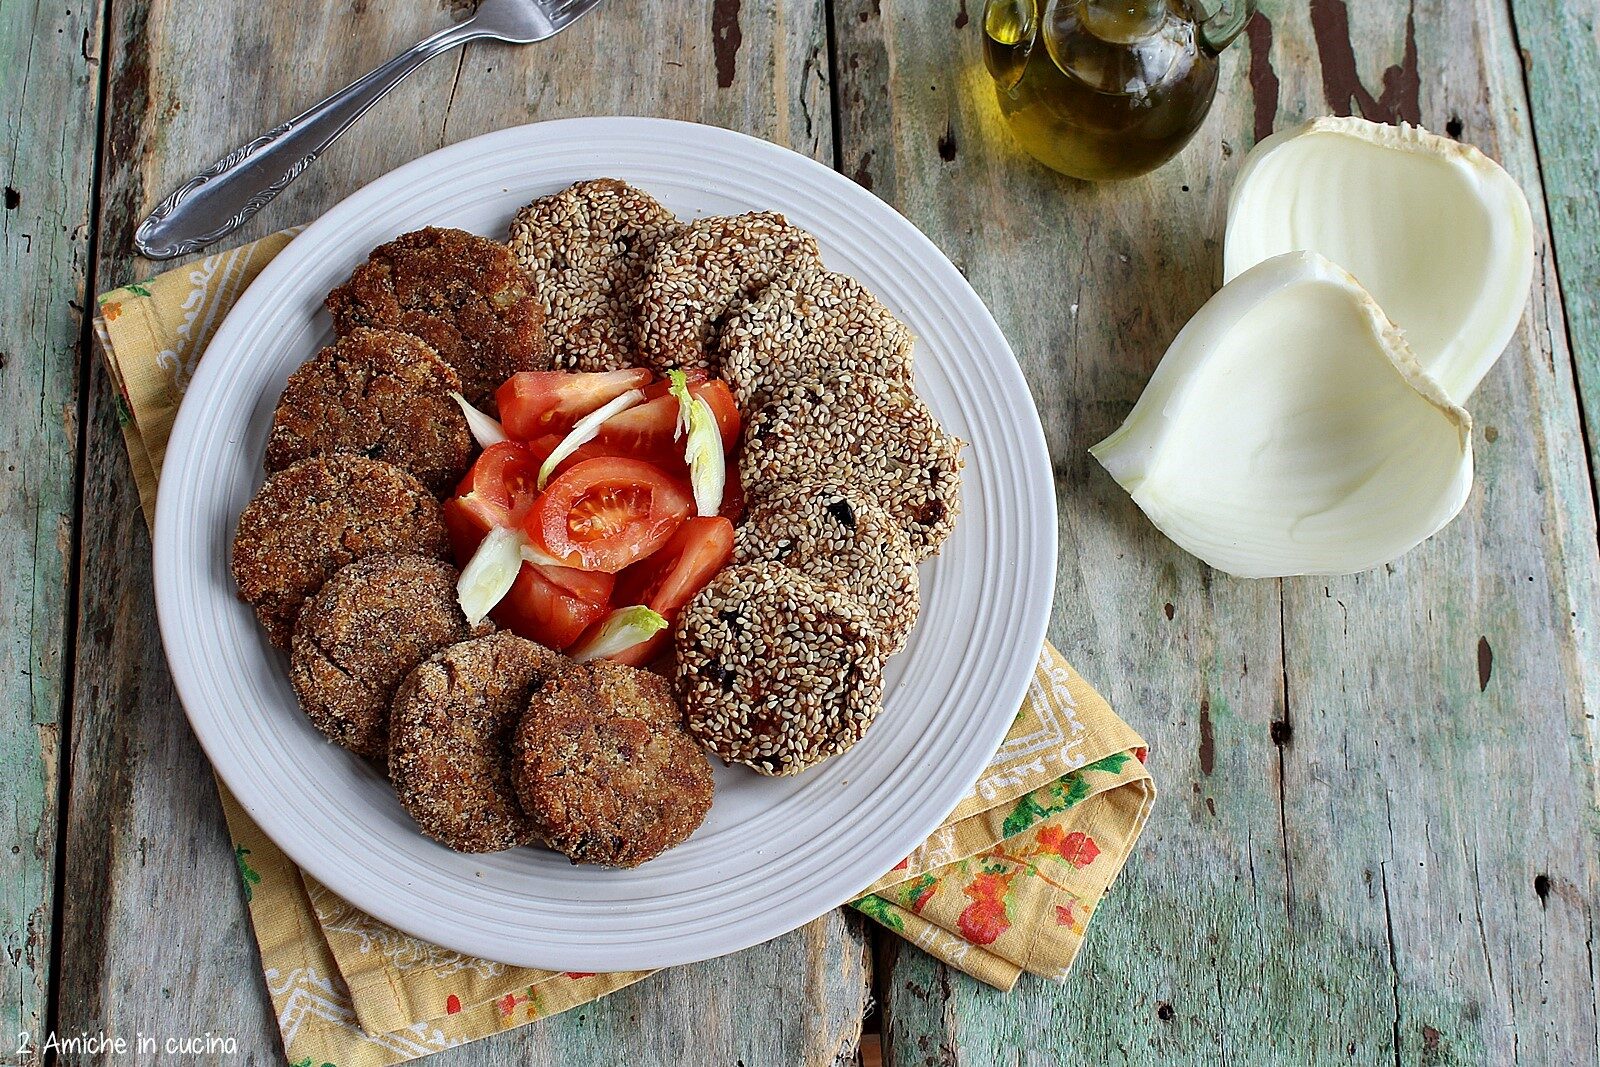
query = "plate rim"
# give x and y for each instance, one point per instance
(1029, 463)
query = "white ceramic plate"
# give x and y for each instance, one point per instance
(774, 853)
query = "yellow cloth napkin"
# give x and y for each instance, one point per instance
(1007, 883)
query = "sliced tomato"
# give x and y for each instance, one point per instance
(541, 448)
(663, 386)
(554, 605)
(670, 578)
(650, 430)
(606, 513)
(534, 403)
(667, 580)
(497, 491)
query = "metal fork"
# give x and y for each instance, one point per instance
(218, 201)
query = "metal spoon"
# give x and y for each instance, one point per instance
(218, 201)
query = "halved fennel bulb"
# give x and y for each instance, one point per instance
(1289, 430)
(1435, 230)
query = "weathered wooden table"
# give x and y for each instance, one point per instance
(1379, 840)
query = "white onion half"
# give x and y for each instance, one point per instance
(1289, 430)
(1435, 230)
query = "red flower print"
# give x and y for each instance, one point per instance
(1073, 915)
(902, 865)
(985, 918)
(508, 1004)
(580, 974)
(1141, 754)
(452, 1004)
(1077, 848)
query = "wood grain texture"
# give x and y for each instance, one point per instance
(1359, 801)
(48, 101)
(1559, 41)
(1377, 841)
(145, 829)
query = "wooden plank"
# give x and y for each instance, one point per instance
(1089, 291)
(1451, 689)
(145, 826)
(48, 104)
(1269, 906)
(1560, 49)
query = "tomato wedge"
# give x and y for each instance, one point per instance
(663, 386)
(649, 430)
(541, 447)
(606, 513)
(554, 605)
(497, 491)
(667, 580)
(534, 403)
(670, 578)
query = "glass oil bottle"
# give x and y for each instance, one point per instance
(1106, 89)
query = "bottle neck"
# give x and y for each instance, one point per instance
(1121, 21)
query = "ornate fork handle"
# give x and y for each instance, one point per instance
(224, 196)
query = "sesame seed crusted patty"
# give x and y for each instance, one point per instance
(585, 248)
(450, 734)
(311, 519)
(705, 272)
(463, 294)
(378, 393)
(840, 539)
(358, 638)
(869, 433)
(810, 323)
(604, 769)
(775, 670)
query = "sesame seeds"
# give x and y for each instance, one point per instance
(869, 433)
(775, 670)
(842, 541)
(779, 659)
(586, 248)
(810, 323)
(704, 273)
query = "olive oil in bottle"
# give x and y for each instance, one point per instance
(1105, 89)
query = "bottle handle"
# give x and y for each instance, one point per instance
(1218, 31)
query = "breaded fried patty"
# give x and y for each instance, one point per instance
(604, 768)
(705, 272)
(585, 248)
(868, 433)
(358, 638)
(450, 733)
(318, 515)
(809, 324)
(463, 294)
(377, 393)
(775, 670)
(840, 539)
